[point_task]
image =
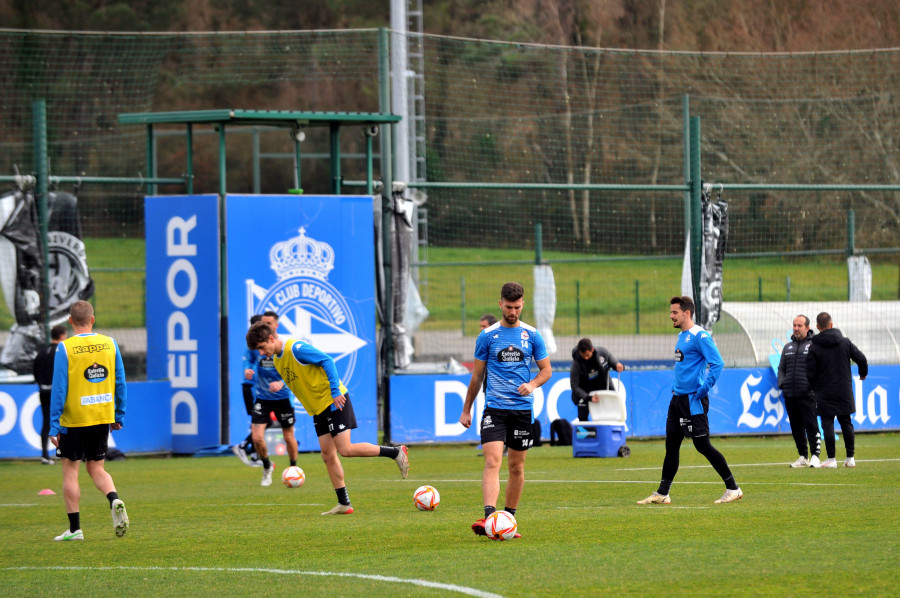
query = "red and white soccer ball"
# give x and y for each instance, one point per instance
(293, 477)
(426, 498)
(500, 525)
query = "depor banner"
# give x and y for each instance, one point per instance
(183, 314)
(310, 259)
(426, 408)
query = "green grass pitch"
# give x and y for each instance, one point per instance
(205, 527)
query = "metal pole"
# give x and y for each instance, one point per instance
(462, 304)
(370, 183)
(578, 307)
(254, 136)
(39, 112)
(538, 244)
(759, 290)
(637, 306)
(151, 159)
(696, 220)
(335, 158)
(222, 166)
(787, 283)
(299, 136)
(387, 200)
(190, 158)
(686, 132)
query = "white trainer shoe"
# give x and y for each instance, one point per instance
(656, 499)
(240, 454)
(339, 509)
(814, 462)
(69, 536)
(730, 496)
(267, 474)
(403, 461)
(850, 462)
(119, 517)
(800, 462)
(829, 464)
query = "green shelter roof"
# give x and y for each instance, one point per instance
(258, 117)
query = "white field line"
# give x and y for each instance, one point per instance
(384, 578)
(262, 504)
(779, 464)
(27, 504)
(678, 482)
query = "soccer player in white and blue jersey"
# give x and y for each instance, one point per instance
(504, 352)
(694, 352)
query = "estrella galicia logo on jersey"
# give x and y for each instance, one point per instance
(90, 348)
(679, 356)
(308, 306)
(96, 373)
(510, 354)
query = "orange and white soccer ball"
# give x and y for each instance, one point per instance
(293, 477)
(500, 525)
(426, 498)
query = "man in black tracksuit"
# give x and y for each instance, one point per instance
(590, 371)
(798, 397)
(828, 372)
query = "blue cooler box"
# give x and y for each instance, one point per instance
(596, 440)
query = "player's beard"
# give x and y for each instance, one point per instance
(511, 319)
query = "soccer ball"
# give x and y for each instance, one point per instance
(426, 498)
(500, 525)
(293, 477)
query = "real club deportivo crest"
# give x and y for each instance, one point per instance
(308, 306)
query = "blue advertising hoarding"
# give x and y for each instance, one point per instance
(311, 260)
(426, 408)
(146, 428)
(183, 314)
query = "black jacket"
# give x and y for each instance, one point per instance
(593, 374)
(792, 367)
(43, 365)
(828, 372)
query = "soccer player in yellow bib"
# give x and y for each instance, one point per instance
(312, 377)
(88, 398)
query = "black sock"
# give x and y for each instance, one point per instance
(111, 497)
(510, 511)
(74, 521)
(730, 483)
(488, 510)
(266, 463)
(293, 462)
(388, 451)
(664, 486)
(342, 495)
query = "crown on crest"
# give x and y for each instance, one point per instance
(302, 256)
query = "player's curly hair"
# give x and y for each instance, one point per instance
(258, 333)
(512, 291)
(685, 303)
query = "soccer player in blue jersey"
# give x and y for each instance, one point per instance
(694, 352)
(245, 451)
(313, 377)
(504, 353)
(272, 396)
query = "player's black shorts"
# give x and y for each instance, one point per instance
(335, 421)
(692, 426)
(508, 425)
(89, 443)
(283, 409)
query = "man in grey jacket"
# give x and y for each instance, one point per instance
(798, 397)
(829, 375)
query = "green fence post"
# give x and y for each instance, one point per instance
(787, 282)
(637, 306)
(42, 167)
(759, 290)
(851, 241)
(578, 307)
(538, 243)
(696, 220)
(462, 304)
